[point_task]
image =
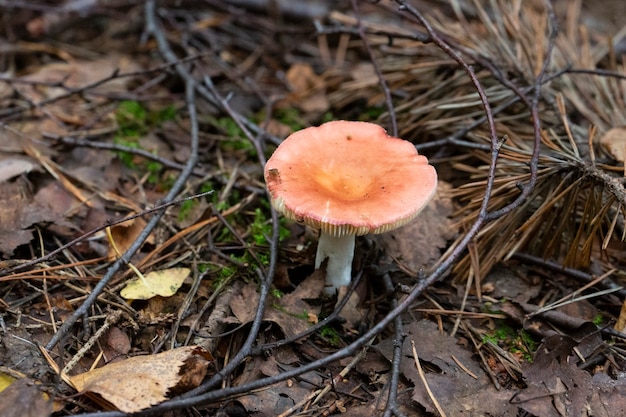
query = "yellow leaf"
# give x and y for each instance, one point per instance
(5, 381)
(164, 283)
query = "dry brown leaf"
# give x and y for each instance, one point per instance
(503, 282)
(117, 343)
(557, 386)
(419, 243)
(353, 313)
(278, 129)
(137, 383)
(282, 396)
(77, 74)
(290, 312)
(124, 234)
(455, 389)
(23, 398)
(614, 142)
(18, 213)
(309, 90)
(13, 166)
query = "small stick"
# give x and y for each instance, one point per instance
(344, 371)
(423, 378)
(111, 319)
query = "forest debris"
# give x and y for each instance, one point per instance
(23, 398)
(614, 142)
(5, 381)
(164, 283)
(308, 89)
(620, 325)
(137, 383)
(215, 323)
(557, 387)
(59, 200)
(14, 166)
(545, 322)
(117, 343)
(418, 244)
(282, 396)
(58, 77)
(123, 235)
(503, 282)
(458, 392)
(18, 213)
(352, 313)
(290, 312)
(298, 8)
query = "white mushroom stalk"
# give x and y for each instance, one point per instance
(339, 251)
(347, 179)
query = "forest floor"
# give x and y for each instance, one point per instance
(143, 269)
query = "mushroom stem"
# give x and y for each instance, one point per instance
(339, 251)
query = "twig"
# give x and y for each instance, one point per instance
(357, 358)
(423, 378)
(392, 398)
(110, 320)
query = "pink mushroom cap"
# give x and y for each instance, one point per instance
(348, 177)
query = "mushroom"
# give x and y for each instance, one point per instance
(347, 179)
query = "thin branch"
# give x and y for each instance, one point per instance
(392, 398)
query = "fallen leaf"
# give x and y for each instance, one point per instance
(117, 344)
(278, 129)
(291, 312)
(504, 282)
(18, 212)
(457, 391)
(125, 234)
(164, 283)
(137, 383)
(77, 74)
(283, 395)
(23, 398)
(556, 386)
(419, 243)
(5, 381)
(309, 89)
(614, 142)
(353, 313)
(12, 167)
